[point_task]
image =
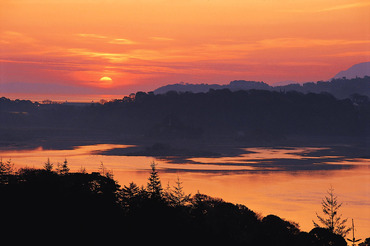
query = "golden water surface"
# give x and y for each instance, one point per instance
(247, 179)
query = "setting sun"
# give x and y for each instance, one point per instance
(106, 81)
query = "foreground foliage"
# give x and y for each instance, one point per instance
(44, 206)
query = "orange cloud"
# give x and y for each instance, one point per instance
(111, 57)
(331, 8)
(108, 39)
(90, 35)
(365, 53)
(121, 41)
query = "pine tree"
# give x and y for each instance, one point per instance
(64, 169)
(104, 171)
(7, 167)
(334, 221)
(82, 170)
(178, 196)
(48, 166)
(128, 195)
(167, 193)
(154, 185)
(130, 191)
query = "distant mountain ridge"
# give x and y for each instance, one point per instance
(340, 88)
(355, 80)
(358, 70)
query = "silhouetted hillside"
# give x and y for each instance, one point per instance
(46, 206)
(251, 116)
(356, 71)
(339, 87)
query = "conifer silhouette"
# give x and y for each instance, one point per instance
(154, 185)
(334, 221)
(64, 169)
(48, 166)
(178, 196)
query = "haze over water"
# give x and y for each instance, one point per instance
(61, 98)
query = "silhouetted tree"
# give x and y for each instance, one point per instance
(154, 186)
(64, 169)
(276, 231)
(333, 221)
(104, 172)
(177, 196)
(130, 191)
(102, 169)
(132, 198)
(82, 169)
(7, 167)
(366, 242)
(325, 237)
(48, 166)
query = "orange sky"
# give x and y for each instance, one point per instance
(70, 45)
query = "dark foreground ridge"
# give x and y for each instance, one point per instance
(45, 206)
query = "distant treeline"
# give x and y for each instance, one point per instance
(340, 87)
(244, 115)
(44, 206)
